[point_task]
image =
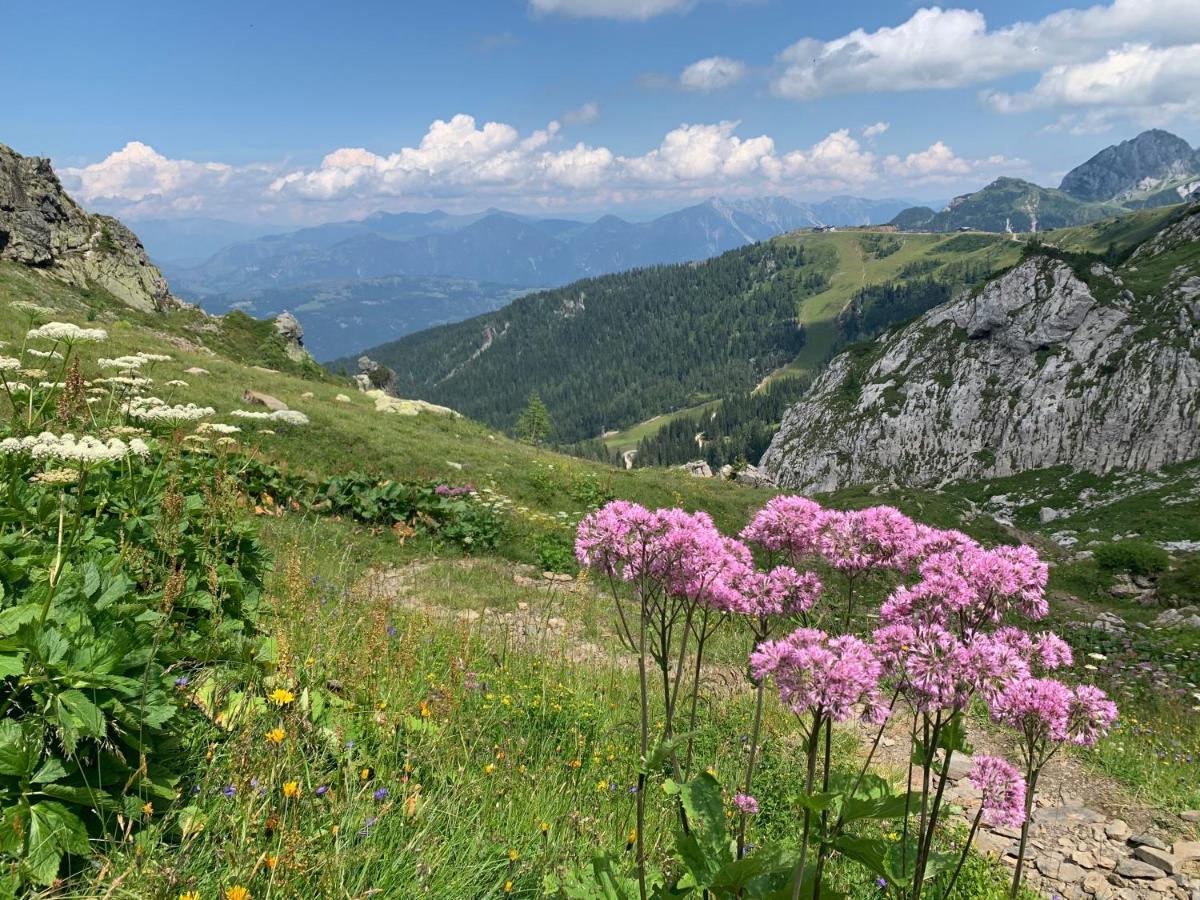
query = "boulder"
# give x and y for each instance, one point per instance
(397, 407)
(257, 398)
(1133, 868)
(373, 376)
(697, 468)
(1160, 859)
(752, 476)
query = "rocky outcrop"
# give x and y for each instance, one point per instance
(289, 328)
(1044, 366)
(373, 376)
(40, 225)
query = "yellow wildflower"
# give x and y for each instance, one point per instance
(281, 697)
(291, 790)
(513, 855)
(508, 886)
(276, 735)
(148, 808)
(272, 861)
(237, 892)
(489, 769)
(190, 895)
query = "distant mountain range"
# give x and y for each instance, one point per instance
(1156, 168)
(358, 283)
(507, 248)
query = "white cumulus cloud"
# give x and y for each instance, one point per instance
(1140, 81)
(467, 164)
(948, 48)
(712, 73)
(874, 131)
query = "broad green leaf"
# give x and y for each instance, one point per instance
(53, 831)
(11, 664)
(51, 770)
(15, 616)
(18, 752)
(953, 736)
(736, 875)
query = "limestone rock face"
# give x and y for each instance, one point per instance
(292, 332)
(40, 225)
(1040, 368)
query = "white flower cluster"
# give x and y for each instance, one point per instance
(67, 333)
(8, 364)
(32, 308)
(133, 361)
(67, 448)
(175, 382)
(131, 381)
(44, 354)
(287, 416)
(152, 409)
(216, 427)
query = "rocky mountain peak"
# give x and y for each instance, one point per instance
(1153, 159)
(40, 225)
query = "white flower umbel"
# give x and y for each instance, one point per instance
(121, 362)
(84, 450)
(44, 354)
(287, 416)
(154, 357)
(216, 428)
(67, 333)
(8, 364)
(152, 409)
(175, 382)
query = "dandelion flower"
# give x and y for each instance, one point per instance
(291, 789)
(276, 735)
(237, 892)
(513, 855)
(281, 697)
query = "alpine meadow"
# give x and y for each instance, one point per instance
(600, 450)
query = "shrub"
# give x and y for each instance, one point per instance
(1132, 558)
(1183, 583)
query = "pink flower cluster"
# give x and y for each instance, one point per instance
(684, 555)
(1047, 711)
(826, 675)
(1003, 790)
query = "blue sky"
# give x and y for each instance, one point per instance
(306, 111)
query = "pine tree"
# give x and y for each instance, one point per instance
(534, 426)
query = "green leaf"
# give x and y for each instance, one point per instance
(15, 616)
(869, 852)
(11, 664)
(658, 757)
(53, 832)
(18, 751)
(817, 802)
(707, 847)
(89, 798)
(736, 876)
(12, 829)
(51, 770)
(873, 799)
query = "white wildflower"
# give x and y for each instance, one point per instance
(138, 447)
(18, 387)
(225, 441)
(266, 431)
(56, 476)
(67, 333)
(52, 385)
(86, 449)
(175, 382)
(32, 308)
(216, 427)
(251, 414)
(151, 409)
(120, 362)
(8, 364)
(154, 357)
(290, 417)
(44, 354)
(342, 398)
(34, 373)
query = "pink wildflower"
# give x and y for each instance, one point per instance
(1003, 790)
(1039, 708)
(745, 804)
(817, 673)
(1091, 715)
(787, 524)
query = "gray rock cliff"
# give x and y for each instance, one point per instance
(40, 225)
(1044, 366)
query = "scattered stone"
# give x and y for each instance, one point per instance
(398, 407)
(753, 476)
(1133, 868)
(373, 376)
(1192, 815)
(1117, 830)
(342, 398)
(257, 398)
(1185, 617)
(991, 844)
(1146, 840)
(1048, 514)
(1110, 622)
(1083, 858)
(1097, 885)
(1159, 858)
(697, 468)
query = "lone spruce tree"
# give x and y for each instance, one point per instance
(534, 426)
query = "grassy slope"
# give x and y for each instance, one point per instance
(537, 714)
